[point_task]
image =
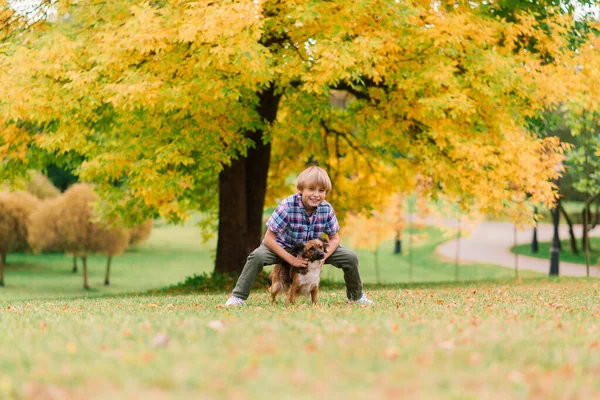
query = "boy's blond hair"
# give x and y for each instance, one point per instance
(314, 175)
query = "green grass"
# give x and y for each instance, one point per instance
(529, 339)
(468, 339)
(175, 252)
(565, 254)
(171, 254)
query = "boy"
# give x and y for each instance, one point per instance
(298, 219)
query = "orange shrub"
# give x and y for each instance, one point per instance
(15, 211)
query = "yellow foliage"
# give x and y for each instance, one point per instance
(15, 211)
(160, 96)
(367, 231)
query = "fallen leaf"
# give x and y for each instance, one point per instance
(71, 347)
(310, 348)
(160, 340)
(148, 356)
(447, 344)
(391, 353)
(216, 325)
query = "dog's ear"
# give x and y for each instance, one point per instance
(325, 243)
(298, 249)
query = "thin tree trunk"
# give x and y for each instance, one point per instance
(596, 215)
(572, 238)
(585, 218)
(242, 189)
(376, 255)
(398, 244)
(586, 246)
(107, 277)
(85, 274)
(2, 264)
(534, 241)
(75, 263)
(457, 251)
(516, 251)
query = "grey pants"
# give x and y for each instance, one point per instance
(343, 258)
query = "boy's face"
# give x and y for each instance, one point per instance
(312, 196)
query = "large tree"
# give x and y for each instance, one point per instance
(177, 106)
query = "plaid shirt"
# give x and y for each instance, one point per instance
(291, 223)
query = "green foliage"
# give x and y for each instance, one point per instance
(584, 158)
(61, 178)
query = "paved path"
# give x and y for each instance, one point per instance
(490, 242)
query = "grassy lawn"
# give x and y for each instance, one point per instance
(171, 254)
(469, 339)
(565, 254)
(175, 252)
(529, 339)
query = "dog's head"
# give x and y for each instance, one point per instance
(313, 249)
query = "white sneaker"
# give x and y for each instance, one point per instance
(235, 302)
(363, 301)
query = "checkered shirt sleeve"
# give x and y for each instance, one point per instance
(279, 221)
(332, 225)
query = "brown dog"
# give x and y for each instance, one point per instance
(300, 281)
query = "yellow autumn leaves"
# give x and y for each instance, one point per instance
(158, 97)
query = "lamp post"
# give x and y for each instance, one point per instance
(555, 251)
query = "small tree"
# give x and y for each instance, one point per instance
(110, 241)
(40, 186)
(15, 210)
(43, 232)
(140, 233)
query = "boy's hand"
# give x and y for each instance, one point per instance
(299, 262)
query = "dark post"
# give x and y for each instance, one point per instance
(555, 251)
(534, 242)
(398, 244)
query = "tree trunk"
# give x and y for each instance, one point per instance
(242, 189)
(596, 216)
(398, 245)
(534, 241)
(75, 263)
(572, 239)
(85, 276)
(376, 255)
(107, 277)
(585, 214)
(2, 264)
(516, 251)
